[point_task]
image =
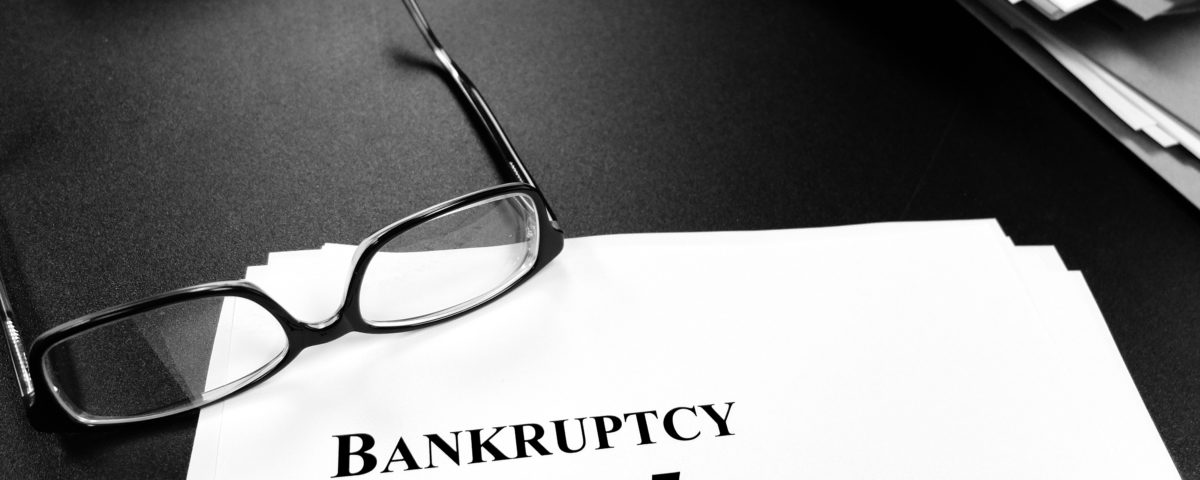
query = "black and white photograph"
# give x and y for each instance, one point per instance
(586, 239)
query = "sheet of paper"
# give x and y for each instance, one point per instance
(914, 350)
(1130, 105)
(1104, 60)
(1092, 368)
(1177, 166)
(1148, 9)
(1056, 9)
(1168, 125)
(1156, 58)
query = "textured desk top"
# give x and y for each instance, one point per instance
(147, 145)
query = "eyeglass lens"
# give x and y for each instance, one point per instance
(163, 359)
(450, 263)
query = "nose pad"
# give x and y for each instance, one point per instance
(321, 325)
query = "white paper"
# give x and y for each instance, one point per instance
(1170, 129)
(879, 351)
(1132, 107)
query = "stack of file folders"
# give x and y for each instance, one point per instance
(1139, 79)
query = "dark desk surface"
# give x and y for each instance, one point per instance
(152, 144)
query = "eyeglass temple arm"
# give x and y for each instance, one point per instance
(479, 106)
(16, 347)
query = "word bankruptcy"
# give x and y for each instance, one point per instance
(525, 440)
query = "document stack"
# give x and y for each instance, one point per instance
(904, 350)
(1139, 79)
(1146, 9)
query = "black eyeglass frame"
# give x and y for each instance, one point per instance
(46, 409)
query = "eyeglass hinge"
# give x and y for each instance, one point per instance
(16, 349)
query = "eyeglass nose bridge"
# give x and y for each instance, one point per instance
(348, 314)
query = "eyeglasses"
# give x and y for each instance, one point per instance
(150, 358)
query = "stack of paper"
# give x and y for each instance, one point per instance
(1146, 9)
(1056, 9)
(909, 350)
(1140, 80)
